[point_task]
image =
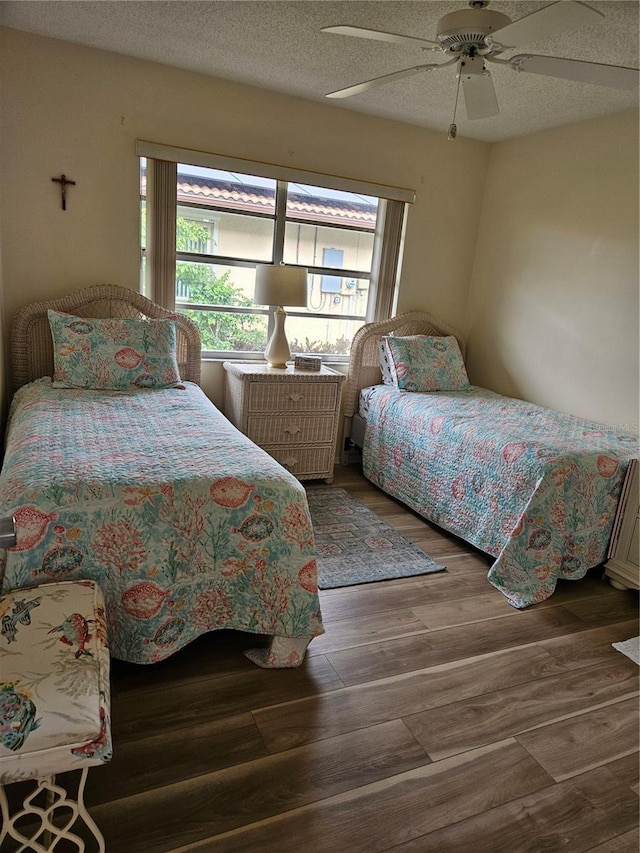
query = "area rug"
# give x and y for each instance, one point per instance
(354, 545)
(630, 648)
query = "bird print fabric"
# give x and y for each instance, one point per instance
(54, 680)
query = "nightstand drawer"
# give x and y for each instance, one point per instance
(290, 429)
(305, 461)
(293, 396)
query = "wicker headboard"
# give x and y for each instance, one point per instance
(364, 363)
(32, 347)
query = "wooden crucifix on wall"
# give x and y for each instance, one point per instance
(64, 183)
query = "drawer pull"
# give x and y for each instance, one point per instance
(292, 430)
(295, 397)
(289, 462)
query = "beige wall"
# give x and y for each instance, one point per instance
(79, 111)
(553, 308)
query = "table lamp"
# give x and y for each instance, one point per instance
(280, 285)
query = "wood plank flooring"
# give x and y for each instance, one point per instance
(431, 718)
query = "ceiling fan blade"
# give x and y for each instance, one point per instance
(380, 81)
(479, 95)
(378, 35)
(615, 76)
(546, 23)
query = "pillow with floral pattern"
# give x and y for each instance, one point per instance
(426, 363)
(117, 354)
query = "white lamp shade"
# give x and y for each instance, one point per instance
(280, 285)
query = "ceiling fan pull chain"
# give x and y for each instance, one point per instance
(453, 130)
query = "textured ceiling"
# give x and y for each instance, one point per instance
(279, 46)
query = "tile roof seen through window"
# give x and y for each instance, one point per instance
(342, 208)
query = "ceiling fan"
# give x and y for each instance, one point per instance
(471, 38)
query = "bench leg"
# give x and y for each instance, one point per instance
(40, 820)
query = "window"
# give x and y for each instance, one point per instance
(227, 221)
(331, 258)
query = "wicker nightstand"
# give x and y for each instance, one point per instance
(292, 414)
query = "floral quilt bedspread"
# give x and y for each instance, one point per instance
(533, 487)
(184, 523)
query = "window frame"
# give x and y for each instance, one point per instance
(382, 276)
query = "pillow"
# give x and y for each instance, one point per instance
(385, 363)
(113, 354)
(426, 363)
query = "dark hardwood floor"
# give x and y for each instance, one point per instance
(431, 717)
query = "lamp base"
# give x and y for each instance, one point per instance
(277, 352)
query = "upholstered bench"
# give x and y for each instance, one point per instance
(54, 709)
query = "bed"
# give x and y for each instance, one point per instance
(535, 489)
(186, 525)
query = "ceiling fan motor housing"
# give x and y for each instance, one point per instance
(469, 27)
